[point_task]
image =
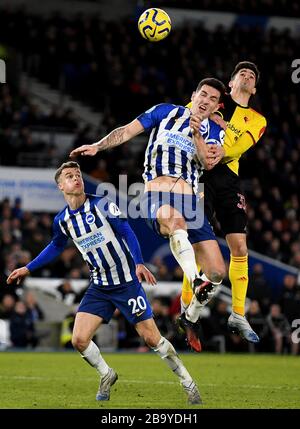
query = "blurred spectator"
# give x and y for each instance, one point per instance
(216, 332)
(177, 274)
(263, 7)
(34, 311)
(66, 292)
(280, 329)
(290, 298)
(67, 330)
(161, 316)
(17, 210)
(91, 71)
(7, 306)
(259, 289)
(22, 331)
(259, 324)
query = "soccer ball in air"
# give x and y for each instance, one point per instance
(154, 24)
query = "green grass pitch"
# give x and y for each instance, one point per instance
(64, 380)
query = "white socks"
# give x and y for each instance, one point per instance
(167, 352)
(184, 253)
(93, 356)
(193, 312)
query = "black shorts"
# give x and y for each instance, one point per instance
(224, 199)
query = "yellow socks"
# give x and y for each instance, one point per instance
(187, 292)
(238, 276)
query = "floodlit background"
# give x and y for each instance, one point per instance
(74, 71)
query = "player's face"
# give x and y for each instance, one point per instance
(244, 80)
(205, 101)
(70, 181)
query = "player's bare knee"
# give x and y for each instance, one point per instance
(79, 343)
(151, 340)
(178, 223)
(239, 248)
(150, 336)
(216, 276)
(170, 220)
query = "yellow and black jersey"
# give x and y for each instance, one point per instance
(245, 127)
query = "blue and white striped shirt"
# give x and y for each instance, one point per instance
(104, 239)
(170, 150)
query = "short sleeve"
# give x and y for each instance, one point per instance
(109, 209)
(152, 117)
(216, 134)
(257, 128)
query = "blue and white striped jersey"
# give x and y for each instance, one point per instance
(170, 150)
(95, 229)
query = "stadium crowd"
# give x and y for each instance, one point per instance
(25, 234)
(135, 82)
(123, 76)
(249, 7)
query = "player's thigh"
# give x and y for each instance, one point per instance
(231, 206)
(86, 325)
(133, 303)
(209, 257)
(148, 330)
(170, 219)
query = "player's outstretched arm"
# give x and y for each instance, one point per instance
(46, 256)
(18, 275)
(115, 138)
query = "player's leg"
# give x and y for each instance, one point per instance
(231, 213)
(238, 276)
(204, 233)
(186, 292)
(238, 270)
(93, 310)
(84, 329)
(133, 303)
(173, 225)
(208, 256)
(148, 330)
(162, 210)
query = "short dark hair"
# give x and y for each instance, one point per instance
(68, 164)
(215, 83)
(246, 65)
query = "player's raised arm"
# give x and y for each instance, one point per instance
(114, 138)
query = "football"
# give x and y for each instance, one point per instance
(154, 24)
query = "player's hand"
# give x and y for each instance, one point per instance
(218, 120)
(18, 275)
(143, 273)
(86, 149)
(216, 154)
(195, 123)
